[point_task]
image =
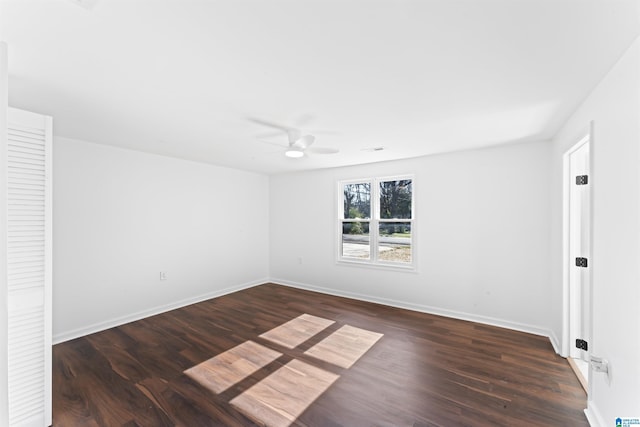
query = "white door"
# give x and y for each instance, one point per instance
(579, 250)
(28, 264)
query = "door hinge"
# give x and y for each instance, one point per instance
(581, 262)
(582, 344)
(582, 179)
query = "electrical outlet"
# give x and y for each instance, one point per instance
(163, 275)
(300, 260)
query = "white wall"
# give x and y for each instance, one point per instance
(482, 236)
(614, 106)
(121, 217)
(4, 314)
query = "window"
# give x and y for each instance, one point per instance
(376, 221)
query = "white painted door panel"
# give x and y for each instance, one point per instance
(28, 262)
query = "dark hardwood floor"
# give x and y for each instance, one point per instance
(425, 370)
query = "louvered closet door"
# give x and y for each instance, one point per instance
(29, 268)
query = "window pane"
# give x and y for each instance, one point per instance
(394, 243)
(355, 240)
(395, 199)
(357, 200)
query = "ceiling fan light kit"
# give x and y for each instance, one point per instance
(294, 153)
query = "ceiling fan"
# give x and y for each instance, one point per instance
(299, 144)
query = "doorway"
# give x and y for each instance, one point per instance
(577, 256)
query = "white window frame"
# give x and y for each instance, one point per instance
(374, 223)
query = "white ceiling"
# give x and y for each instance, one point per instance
(183, 77)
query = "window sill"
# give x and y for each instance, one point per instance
(407, 268)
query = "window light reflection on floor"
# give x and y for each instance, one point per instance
(229, 368)
(281, 397)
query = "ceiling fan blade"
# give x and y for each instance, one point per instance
(294, 136)
(271, 124)
(304, 142)
(323, 150)
(274, 143)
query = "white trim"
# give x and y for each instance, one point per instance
(592, 259)
(48, 287)
(555, 342)
(566, 191)
(594, 417)
(391, 266)
(107, 324)
(4, 331)
(486, 320)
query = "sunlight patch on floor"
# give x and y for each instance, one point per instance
(345, 346)
(279, 399)
(296, 331)
(229, 368)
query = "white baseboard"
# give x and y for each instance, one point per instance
(594, 417)
(101, 326)
(107, 324)
(535, 330)
(556, 343)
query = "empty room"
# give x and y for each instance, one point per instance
(320, 213)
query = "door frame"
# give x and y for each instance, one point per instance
(4, 314)
(567, 264)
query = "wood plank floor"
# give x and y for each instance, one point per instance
(423, 370)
